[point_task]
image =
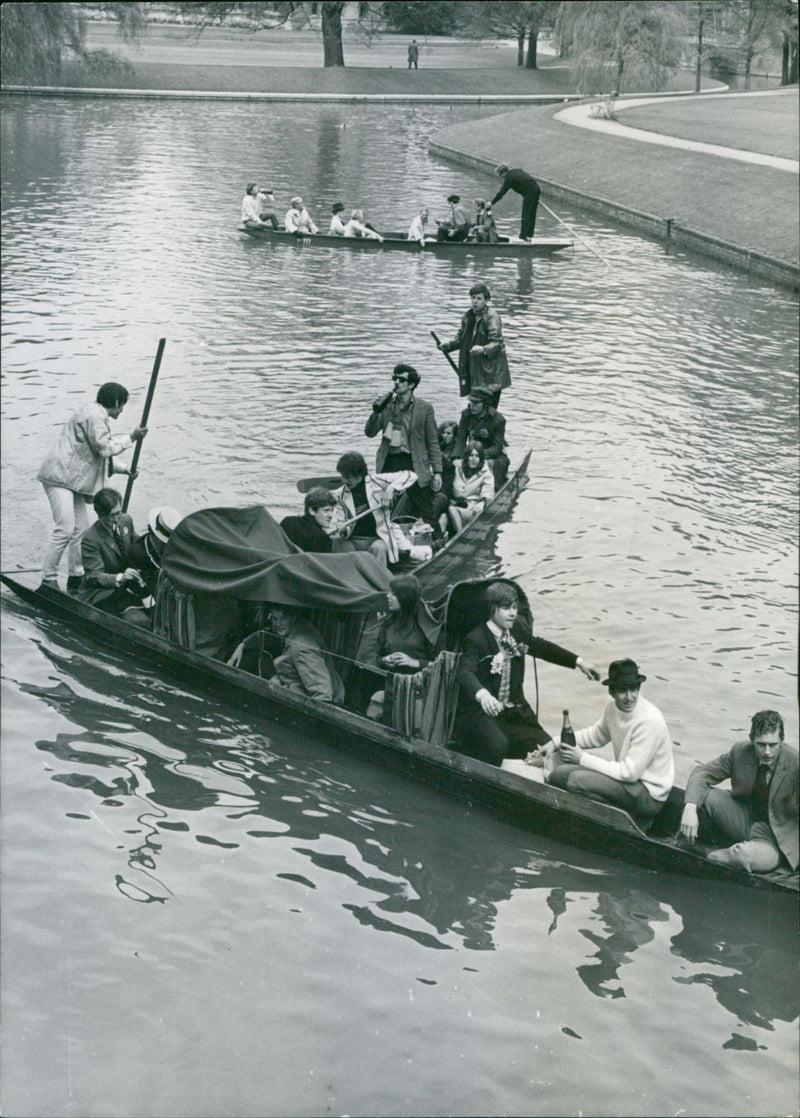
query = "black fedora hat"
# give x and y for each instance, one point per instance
(454, 198)
(623, 673)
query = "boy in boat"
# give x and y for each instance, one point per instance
(494, 719)
(410, 442)
(482, 423)
(526, 185)
(110, 580)
(310, 532)
(640, 776)
(760, 811)
(482, 361)
(298, 220)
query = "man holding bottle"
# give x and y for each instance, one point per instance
(640, 776)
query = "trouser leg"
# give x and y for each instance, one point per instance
(479, 735)
(631, 797)
(723, 817)
(530, 204)
(69, 523)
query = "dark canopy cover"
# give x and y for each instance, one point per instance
(243, 553)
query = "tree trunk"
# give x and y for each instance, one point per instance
(748, 61)
(333, 54)
(699, 63)
(520, 48)
(788, 59)
(533, 42)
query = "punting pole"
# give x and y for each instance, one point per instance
(574, 234)
(453, 365)
(145, 414)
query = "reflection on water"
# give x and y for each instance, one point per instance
(171, 862)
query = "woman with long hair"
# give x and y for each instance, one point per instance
(402, 645)
(473, 487)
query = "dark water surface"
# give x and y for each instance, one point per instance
(207, 915)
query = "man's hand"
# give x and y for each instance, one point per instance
(589, 670)
(436, 482)
(689, 822)
(476, 349)
(488, 703)
(387, 497)
(236, 657)
(137, 434)
(570, 754)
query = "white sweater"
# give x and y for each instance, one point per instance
(642, 747)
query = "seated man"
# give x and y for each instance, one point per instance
(416, 230)
(485, 425)
(266, 207)
(494, 719)
(251, 207)
(455, 227)
(110, 581)
(365, 504)
(302, 665)
(310, 532)
(298, 220)
(760, 811)
(337, 228)
(145, 551)
(641, 775)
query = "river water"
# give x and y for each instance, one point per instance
(205, 914)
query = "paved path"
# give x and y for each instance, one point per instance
(581, 116)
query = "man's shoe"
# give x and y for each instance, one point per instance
(48, 584)
(74, 583)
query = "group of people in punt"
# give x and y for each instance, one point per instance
(260, 209)
(442, 475)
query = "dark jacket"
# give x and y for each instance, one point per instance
(480, 370)
(305, 533)
(517, 180)
(103, 559)
(739, 765)
(481, 647)
(488, 429)
(426, 454)
(145, 556)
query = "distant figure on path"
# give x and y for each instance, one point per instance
(413, 54)
(526, 185)
(298, 219)
(760, 811)
(482, 361)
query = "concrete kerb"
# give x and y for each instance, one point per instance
(347, 98)
(662, 228)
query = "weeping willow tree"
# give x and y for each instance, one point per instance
(623, 45)
(37, 39)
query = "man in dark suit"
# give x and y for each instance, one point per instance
(494, 719)
(309, 531)
(410, 442)
(760, 811)
(525, 185)
(110, 582)
(484, 424)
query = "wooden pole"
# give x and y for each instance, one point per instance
(145, 415)
(574, 234)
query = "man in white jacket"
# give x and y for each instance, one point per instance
(640, 776)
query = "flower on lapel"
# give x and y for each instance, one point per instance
(497, 663)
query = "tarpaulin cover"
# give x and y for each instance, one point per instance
(243, 553)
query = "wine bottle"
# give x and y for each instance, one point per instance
(567, 733)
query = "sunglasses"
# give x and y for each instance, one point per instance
(400, 379)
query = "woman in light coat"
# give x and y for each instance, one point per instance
(473, 487)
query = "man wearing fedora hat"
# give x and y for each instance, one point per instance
(640, 776)
(482, 423)
(145, 552)
(759, 812)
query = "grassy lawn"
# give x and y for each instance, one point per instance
(764, 124)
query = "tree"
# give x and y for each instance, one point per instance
(518, 19)
(422, 17)
(758, 21)
(36, 38)
(789, 41)
(623, 44)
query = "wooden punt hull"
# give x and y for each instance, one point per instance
(523, 802)
(539, 246)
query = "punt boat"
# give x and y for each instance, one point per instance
(504, 246)
(345, 594)
(461, 551)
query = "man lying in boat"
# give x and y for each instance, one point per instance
(761, 809)
(494, 719)
(362, 521)
(110, 581)
(311, 531)
(302, 665)
(358, 227)
(298, 220)
(640, 776)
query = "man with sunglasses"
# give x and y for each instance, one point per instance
(409, 441)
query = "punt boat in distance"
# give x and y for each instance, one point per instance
(314, 582)
(504, 246)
